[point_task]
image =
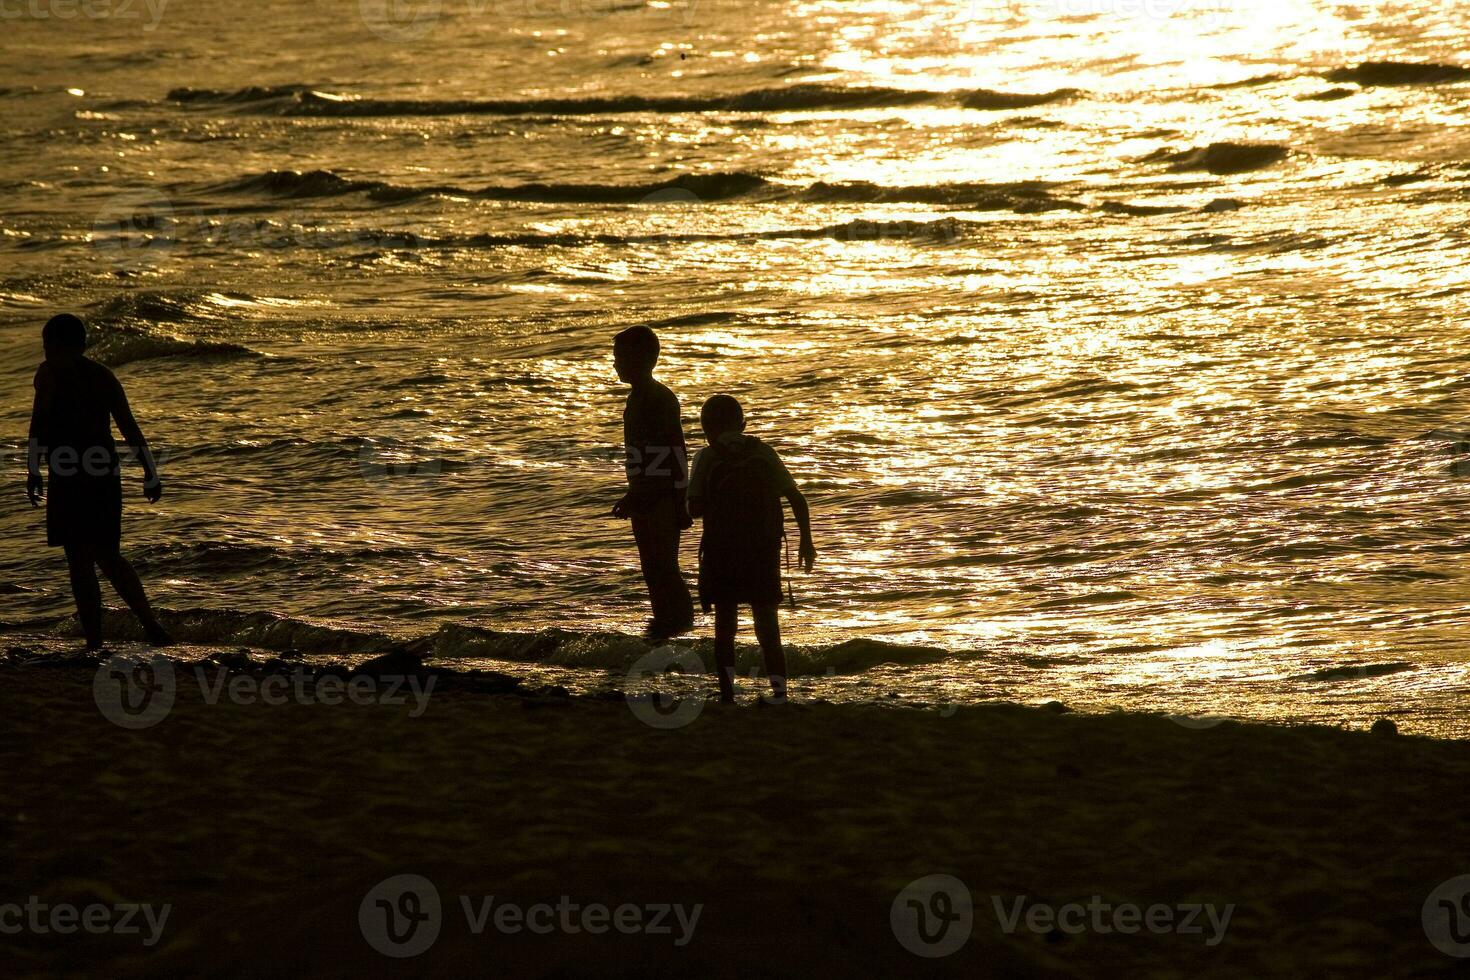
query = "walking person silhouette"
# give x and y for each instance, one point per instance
(76, 402)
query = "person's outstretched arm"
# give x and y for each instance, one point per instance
(35, 486)
(808, 551)
(799, 509)
(128, 426)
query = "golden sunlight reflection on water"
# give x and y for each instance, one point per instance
(1089, 411)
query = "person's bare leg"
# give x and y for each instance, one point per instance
(87, 592)
(727, 621)
(768, 632)
(656, 533)
(124, 579)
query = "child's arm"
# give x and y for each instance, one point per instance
(128, 426)
(799, 509)
(673, 437)
(35, 487)
(694, 497)
(808, 551)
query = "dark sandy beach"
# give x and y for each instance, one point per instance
(793, 829)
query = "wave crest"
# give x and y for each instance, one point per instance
(1222, 158)
(1024, 196)
(454, 643)
(1400, 73)
(120, 333)
(324, 183)
(302, 100)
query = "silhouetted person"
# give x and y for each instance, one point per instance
(77, 400)
(655, 456)
(736, 486)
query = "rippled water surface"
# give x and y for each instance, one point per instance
(1118, 346)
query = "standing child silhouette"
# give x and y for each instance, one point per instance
(653, 444)
(76, 402)
(736, 485)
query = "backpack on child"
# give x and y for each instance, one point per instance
(742, 505)
(744, 520)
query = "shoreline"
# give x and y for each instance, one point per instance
(795, 829)
(1349, 695)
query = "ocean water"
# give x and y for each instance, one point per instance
(1118, 345)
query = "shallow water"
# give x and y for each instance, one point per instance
(1090, 407)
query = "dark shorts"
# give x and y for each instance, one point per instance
(748, 573)
(84, 511)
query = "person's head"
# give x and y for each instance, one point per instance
(721, 414)
(635, 352)
(65, 337)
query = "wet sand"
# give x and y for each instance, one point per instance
(264, 826)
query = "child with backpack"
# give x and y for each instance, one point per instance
(735, 486)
